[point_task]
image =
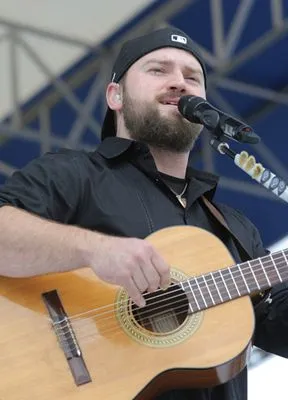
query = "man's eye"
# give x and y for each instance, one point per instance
(157, 70)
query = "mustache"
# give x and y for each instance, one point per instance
(169, 96)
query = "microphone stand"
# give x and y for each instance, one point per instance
(256, 171)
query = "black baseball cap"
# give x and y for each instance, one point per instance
(138, 47)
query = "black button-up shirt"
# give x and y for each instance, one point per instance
(118, 190)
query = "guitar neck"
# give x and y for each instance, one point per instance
(239, 280)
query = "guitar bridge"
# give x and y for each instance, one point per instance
(66, 337)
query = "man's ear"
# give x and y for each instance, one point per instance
(113, 96)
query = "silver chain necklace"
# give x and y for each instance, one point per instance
(179, 196)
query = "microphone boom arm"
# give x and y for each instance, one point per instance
(256, 171)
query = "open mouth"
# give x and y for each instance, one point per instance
(170, 103)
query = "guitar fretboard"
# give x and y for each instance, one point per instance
(236, 281)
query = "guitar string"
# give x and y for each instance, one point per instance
(119, 330)
(117, 326)
(106, 319)
(148, 313)
(113, 330)
(98, 316)
(94, 336)
(208, 281)
(163, 293)
(116, 329)
(180, 297)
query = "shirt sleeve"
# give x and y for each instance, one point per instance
(271, 331)
(48, 186)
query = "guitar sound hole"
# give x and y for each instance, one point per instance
(165, 310)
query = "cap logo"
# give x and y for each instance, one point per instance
(179, 39)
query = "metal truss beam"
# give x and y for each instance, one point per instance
(277, 13)
(64, 89)
(237, 26)
(23, 28)
(59, 84)
(253, 90)
(265, 109)
(218, 29)
(251, 51)
(7, 131)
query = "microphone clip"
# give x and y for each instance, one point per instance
(224, 126)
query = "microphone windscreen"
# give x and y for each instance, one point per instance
(187, 106)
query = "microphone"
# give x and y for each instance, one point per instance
(198, 110)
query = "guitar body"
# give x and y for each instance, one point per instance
(124, 358)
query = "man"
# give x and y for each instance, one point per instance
(73, 209)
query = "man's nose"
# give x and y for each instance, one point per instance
(177, 82)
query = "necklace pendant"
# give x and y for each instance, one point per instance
(182, 201)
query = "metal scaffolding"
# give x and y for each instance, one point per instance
(222, 60)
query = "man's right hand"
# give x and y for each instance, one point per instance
(133, 264)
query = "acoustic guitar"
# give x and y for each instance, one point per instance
(72, 336)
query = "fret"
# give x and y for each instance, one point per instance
(253, 284)
(250, 278)
(210, 293)
(230, 272)
(254, 277)
(231, 287)
(240, 281)
(242, 275)
(226, 287)
(221, 286)
(217, 290)
(258, 269)
(194, 296)
(191, 301)
(266, 276)
(285, 255)
(205, 291)
(201, 293)
(275, 266)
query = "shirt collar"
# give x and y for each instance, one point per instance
(113, 147)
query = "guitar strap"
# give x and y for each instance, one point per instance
(245, 256)
(257, 297)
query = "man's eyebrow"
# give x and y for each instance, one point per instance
(195, 70)
(156, 60)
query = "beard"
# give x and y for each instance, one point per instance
(145, 124)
